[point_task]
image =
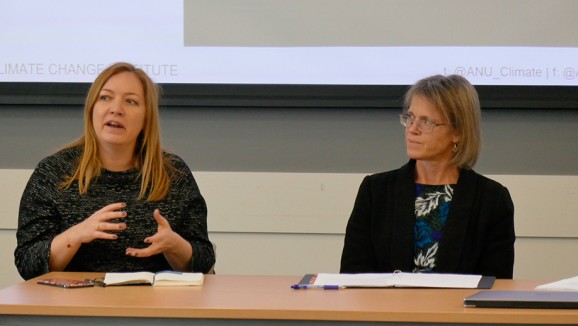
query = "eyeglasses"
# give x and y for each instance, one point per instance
(422, 125)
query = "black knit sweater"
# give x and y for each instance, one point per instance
(46, 210)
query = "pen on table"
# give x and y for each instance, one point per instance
(316, 286)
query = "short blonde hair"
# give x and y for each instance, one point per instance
(154, 168)
(457, 101)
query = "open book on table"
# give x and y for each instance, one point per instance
(164, 278)
(399, 279)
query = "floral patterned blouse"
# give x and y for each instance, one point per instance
(432, 205)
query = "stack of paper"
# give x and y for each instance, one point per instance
(419, 280)
(568, 284)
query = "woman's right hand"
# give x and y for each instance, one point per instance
(99, 225)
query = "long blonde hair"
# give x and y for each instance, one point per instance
(153, 166)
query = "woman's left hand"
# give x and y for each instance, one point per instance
(165, 240)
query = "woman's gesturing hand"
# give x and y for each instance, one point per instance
(176, 250)
(100, 225)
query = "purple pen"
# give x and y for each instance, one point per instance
(316, 286)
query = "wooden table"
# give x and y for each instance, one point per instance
(256, 300)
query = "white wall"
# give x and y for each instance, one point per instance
(293, 223)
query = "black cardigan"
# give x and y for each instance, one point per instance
(478, 236)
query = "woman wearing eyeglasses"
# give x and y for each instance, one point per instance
(434, 214)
